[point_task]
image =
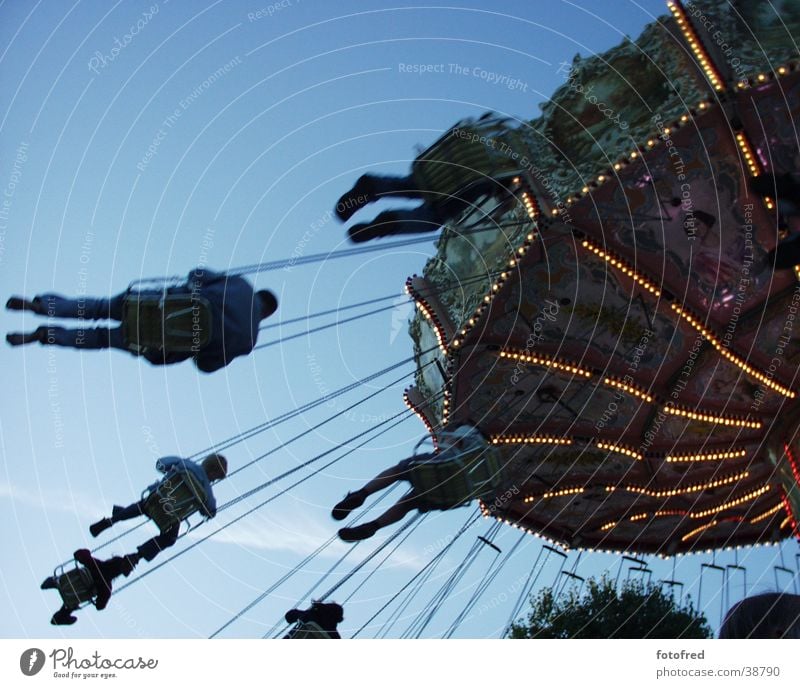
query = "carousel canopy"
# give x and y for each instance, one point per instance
(619, 334)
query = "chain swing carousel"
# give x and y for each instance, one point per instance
(631, 353)
(619, 333)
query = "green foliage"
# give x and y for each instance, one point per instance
(636, 610)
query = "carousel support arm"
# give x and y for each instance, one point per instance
(623, 559)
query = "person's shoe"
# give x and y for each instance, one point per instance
(63, 618)
(352, 201)
(367, 232)
(103, 524)
(353, 500)
(22, 338)
(362, 532)
(18, 303)
(49, 583)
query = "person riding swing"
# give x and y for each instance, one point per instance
(212, 318)
(317, 623)
(472, 160)
(89, 582)
(465, 467)
(184, 490)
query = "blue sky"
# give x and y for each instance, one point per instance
(224, 131)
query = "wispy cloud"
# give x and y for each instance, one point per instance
(301, 534)
(294, 531)
(292, 534)
(51, 500)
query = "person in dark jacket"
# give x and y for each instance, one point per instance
(324, 615)
(213, 468)
(101, 574)
(235, 314)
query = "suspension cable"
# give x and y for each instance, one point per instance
(397, 614)
(443, 593)
(432, 607)
(282, 622)
(476, 593)
(297, 567)
(270, 452)
(359, 316)
(344, 579)
(405, 412)
(466, 281)
(384, 560)
(259, 458)
(288, 415)
(327, 420)
(484, 585)
(479, 226)
(320, 328)
(354, 251)
(469, 522)
(348, 551)
(338, 309)
(524, 592)
(372, 555)
(406, 415)
(274, 586)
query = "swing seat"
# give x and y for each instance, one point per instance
(309, 630)
(459, 158)
(179, 495)
(172, 323)
(447, 483)
(76, 587)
